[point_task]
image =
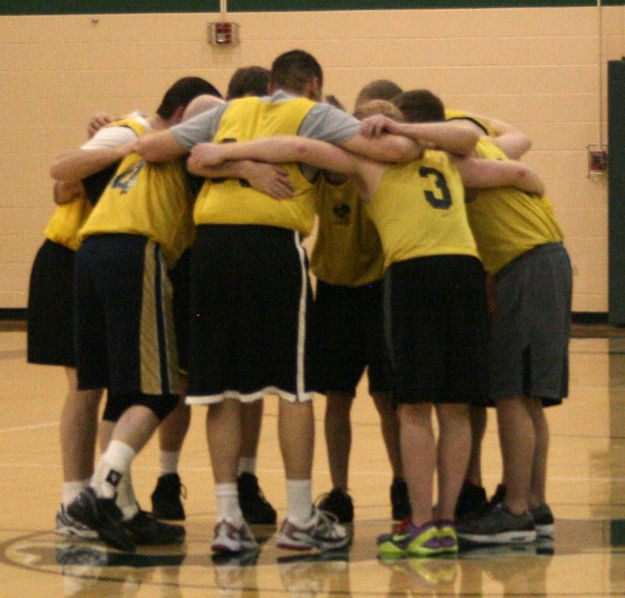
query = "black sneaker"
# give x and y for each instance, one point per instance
(399, 499)
(145, 529)
(543, 520)
(166, 503)
(254, 505)
(340, 504)
(498, 526)
(471, 501)
(103, 516)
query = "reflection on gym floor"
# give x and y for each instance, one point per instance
(585, 556)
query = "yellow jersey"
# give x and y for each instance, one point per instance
(506, 221)
(232, 201)
(348, 250)
(148, 199)
(66, 221)
(419, 210)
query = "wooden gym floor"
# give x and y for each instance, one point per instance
(586, 492)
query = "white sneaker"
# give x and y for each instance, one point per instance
(323, 531)
(230, 538)
(66, 525)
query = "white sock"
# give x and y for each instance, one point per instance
(246, 465)
(299, 501)
(113, 465)
(169, 461)
(71, 490)
(228, 503)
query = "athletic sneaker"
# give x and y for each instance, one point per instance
(410, 540)
(323, 532)
(146, 529)
(471, 501)
(166, 503)
(543, 520)
(103, 516)
(68, 526)
(447, 537)
(254, 505)
(498, 526)
(399, 499)
(230, 538)
(339, 503)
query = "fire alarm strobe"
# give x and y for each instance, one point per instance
(223, 33)
(597, 160)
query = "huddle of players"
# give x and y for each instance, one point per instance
(434, 309)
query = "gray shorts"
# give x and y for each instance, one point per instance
(531, 326)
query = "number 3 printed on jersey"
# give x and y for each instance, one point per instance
(440, 197)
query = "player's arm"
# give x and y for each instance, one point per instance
(448, 136)
(78, 164)
(383, 148)
(481, 174)
(278, 149)
(513, 142)
(271, 179)
(159, 146)
(67, 192)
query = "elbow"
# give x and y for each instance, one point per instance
(469, 142)
(529, 180)
(59, 173)
(401, 150)
(525, 144)
(302, 152)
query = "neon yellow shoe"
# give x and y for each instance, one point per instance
(410, 540)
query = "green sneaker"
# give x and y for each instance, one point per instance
(447, 537)
(410, 540)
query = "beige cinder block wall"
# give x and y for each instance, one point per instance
(539, 68)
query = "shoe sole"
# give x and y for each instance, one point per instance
(546, 530)
(222, 548)
(109, 530)
(168, 515)
(321, 545)
(513, 537)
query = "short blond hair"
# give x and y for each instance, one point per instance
(378, 107)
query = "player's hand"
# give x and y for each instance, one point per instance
(98, 120)
(269, 179)
(207, 154)
(376, 125)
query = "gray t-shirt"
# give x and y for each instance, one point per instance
(323, 122)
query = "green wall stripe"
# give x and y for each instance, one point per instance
(50, 7)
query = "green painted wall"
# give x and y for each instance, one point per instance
(51, 7)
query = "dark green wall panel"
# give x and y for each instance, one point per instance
(81, 7)
(616, 191)
(50, 7)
